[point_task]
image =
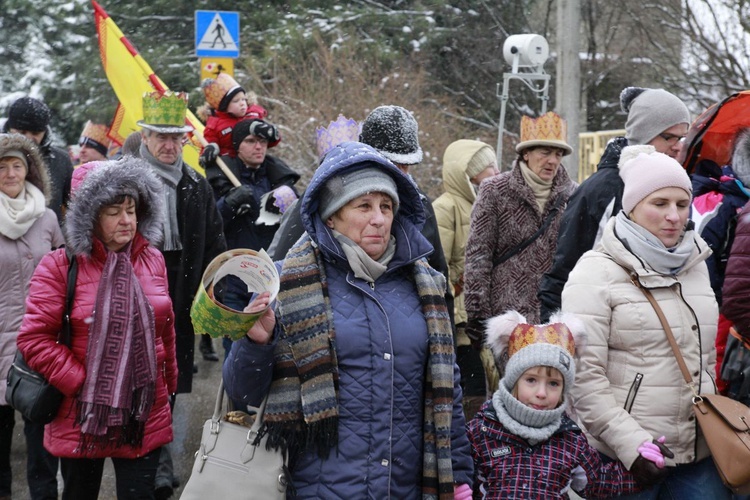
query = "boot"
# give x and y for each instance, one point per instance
(207, 348)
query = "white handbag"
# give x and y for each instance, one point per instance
(230, 464)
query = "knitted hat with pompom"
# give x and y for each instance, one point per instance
(645, 171)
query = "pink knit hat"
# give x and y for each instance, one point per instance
(644, 171)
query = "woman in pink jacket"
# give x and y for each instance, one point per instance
(119, 369)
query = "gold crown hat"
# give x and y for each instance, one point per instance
(95, 136)
(220, 91)
(553, 344)
(165, 112)
(342, 130)
(547, 130)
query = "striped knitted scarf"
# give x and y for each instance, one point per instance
(302, 409)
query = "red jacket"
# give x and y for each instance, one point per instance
(220, 124)
(65, 367)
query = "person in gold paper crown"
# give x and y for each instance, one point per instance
(94, 142)
(193, 232)
(228, 103)
(522, 441)
(514, 225)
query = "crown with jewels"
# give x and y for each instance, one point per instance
(342, 130)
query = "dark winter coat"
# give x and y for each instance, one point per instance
(65, 366)
(505, 215)
(589, 208)
(718, 196)
(382, 351)
(507, 466)
(202, 236)
(241, 231)
(736, 304)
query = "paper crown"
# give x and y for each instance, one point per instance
(216, 89)
(510, 332)
(547, 130)
(94, 135)
(165, 112)
(342, 130)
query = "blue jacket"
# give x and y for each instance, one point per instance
(718, 197)
(381, 348)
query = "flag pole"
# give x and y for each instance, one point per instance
(223, 166)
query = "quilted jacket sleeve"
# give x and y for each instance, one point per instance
(37, 339)
(463, 464)
(247, 372)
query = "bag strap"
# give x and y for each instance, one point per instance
(64, 336)
(521, 246)
(220, 403)
(668, 331)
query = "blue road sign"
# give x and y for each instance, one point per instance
(217, 33)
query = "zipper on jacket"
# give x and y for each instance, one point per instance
(633, 392)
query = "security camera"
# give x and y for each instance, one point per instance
(523, 51)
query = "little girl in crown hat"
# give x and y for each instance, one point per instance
(523, 443)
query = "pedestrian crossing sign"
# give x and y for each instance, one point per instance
(217, 33)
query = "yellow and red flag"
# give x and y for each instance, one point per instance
(131, 77)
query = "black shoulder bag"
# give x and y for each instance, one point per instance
(27, 391)
(521, 246)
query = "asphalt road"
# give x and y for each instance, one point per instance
(191, 410)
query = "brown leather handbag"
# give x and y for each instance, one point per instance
(725, 423)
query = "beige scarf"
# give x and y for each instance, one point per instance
(18, 214)
(539, 186)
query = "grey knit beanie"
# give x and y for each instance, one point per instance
(482, 159)
(341, 189)
(651, 112)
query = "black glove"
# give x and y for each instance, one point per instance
(663, 449)
(475, 332)
(645, 472)
(241, 200)
(265, 130)
(209, 154)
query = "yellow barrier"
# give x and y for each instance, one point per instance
(591, 146)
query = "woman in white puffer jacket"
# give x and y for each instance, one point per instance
(629, 388)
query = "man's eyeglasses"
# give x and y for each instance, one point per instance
(672, 139)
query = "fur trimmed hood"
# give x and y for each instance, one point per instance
(102, 185)
(37, 173)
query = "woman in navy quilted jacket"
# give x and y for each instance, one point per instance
(357, 359)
